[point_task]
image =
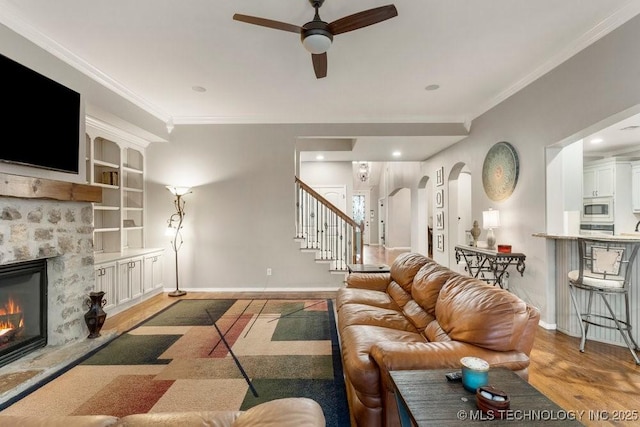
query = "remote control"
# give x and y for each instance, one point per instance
(454, 376)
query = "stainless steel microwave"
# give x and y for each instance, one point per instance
(597, 210)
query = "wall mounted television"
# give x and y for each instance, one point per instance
(43, 117)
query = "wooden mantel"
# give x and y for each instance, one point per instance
(41, 188)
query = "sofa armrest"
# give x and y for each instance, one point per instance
(372, 281)
(285, 412)
(392, 356)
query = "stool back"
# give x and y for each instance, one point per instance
(606, 260)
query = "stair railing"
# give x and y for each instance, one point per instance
(325, 228)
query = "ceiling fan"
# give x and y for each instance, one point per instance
(317, 35)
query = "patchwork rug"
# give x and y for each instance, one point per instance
(206, 355)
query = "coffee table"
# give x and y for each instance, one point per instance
(427, 398)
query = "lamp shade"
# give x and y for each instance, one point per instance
(178, 191)
(317, 43)
(491, 219)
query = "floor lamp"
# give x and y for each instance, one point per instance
(173, 230)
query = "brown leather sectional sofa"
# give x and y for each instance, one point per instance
(422, 315)
(286, 412)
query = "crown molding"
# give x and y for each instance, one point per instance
(113, 132)
(607, 25)
(12, 19)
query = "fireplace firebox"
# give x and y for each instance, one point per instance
(23, 309)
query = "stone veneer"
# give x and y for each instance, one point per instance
(61, 232)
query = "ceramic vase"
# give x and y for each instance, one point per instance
(96, 316)
(475, 232)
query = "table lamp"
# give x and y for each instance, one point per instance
(491, 220)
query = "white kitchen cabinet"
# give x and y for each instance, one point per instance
(153, 271)
(612, 178)
(635, 186)
(599, 180)
(105, 275)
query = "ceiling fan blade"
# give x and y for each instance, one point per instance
(362, 19)
(320, 64)
(277, 25)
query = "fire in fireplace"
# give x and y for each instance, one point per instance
(23, 309)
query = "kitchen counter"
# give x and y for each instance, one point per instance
(622, 237)
(563, 249)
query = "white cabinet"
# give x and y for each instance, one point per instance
(129, 279)
(153, 271)
(612, 178)
(105, 275)
(599, 180)
(635, 186)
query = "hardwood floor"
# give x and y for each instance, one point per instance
(604, 378)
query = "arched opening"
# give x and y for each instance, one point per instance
(459, 220)
(398, 226)
(425, 217)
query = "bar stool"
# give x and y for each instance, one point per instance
(604, 269)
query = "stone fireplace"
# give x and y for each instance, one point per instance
(50, 220)
(61, 233)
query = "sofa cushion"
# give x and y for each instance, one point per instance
(405, 267)
(365, 296)
(398, 294)
(374, 281)
(427, 284)
(363, 314)
(472, 311)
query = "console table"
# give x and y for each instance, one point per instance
(489, 265)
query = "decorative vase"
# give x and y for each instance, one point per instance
(95, 317)
(475, 232)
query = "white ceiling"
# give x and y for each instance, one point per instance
(479, 51)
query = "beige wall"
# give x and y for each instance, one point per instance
(599, 82)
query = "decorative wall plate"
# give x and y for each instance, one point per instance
(500, 171)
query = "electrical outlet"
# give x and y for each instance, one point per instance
(268, 271)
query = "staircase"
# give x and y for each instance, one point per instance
(322, 228)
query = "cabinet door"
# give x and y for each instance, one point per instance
(105, 275)
(605, 181)
(598, 181)
(153, 268)
(635, 188)
(130, 283)
(589, 183)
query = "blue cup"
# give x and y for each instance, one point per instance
(475, 373)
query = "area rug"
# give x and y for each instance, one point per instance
(206, 355)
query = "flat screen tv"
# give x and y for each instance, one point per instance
(41, 120)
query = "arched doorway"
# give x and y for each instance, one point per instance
(425, 217)
(459, 219)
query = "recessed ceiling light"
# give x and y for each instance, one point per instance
(396, 154)
(319, 157)
(199, 88)
(596, 140)
(432, 87)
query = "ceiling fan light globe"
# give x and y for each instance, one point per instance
(317, 43)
